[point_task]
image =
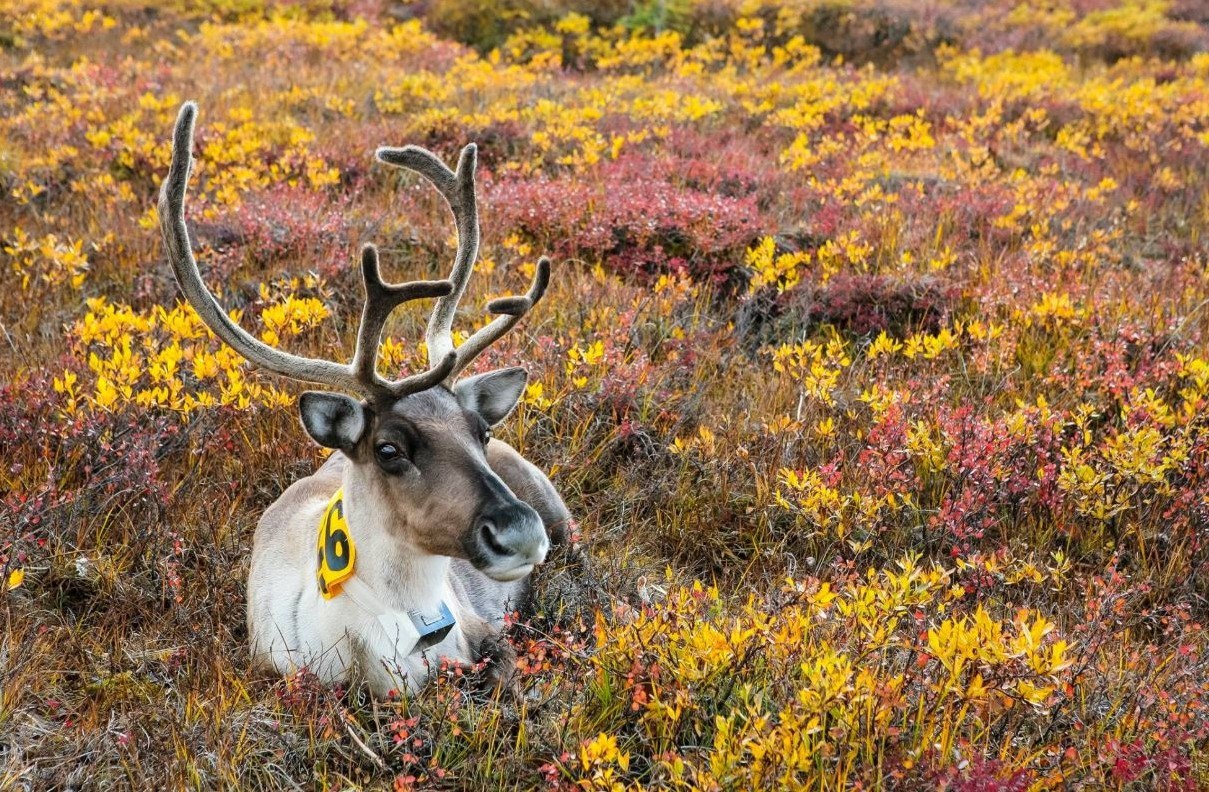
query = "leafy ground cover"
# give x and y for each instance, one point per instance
(874, 368)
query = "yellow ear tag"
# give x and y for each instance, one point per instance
(337, 554)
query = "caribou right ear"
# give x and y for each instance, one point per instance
(333, 420)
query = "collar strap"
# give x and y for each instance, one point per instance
(405, 633)
(337, 554)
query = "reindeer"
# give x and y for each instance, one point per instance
(419, 533)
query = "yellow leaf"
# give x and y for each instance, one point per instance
(823, 596)
(15, 578)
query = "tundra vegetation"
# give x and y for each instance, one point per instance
(873, 365)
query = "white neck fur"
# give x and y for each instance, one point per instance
(404, 576)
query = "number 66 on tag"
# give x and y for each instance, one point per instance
(337, 553)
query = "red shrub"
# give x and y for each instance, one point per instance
(635, 220)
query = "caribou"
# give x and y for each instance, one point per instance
(418, 534)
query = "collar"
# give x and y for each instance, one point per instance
(337, 556)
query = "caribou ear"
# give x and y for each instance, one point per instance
(492, 395)
(333, 420)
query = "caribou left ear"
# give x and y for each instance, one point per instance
(333, 420)
(492, 395)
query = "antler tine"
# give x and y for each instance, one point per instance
(509, 311)
(434, 376)
(180, 256)
(459, 192)
(380, 300)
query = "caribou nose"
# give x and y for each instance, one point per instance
(511, 540)
(489, 534)
(513, 532)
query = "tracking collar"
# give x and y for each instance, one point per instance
(337, 555)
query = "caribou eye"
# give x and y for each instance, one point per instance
(388, 452)
(391, 458)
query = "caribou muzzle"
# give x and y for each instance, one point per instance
(507, 540)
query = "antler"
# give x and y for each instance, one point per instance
(360, 376)
(458, 190)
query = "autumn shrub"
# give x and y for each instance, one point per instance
(636, 222)
(283, 224)
(486, 25)
(867, 305)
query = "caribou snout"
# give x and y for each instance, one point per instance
(507, 540)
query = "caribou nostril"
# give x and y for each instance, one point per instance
(487, 532)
